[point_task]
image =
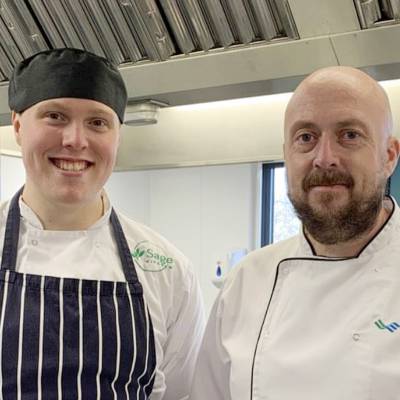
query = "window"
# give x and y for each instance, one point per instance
(278, 219)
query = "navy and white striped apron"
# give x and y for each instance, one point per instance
(70, 339)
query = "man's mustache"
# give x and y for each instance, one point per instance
(319, 177)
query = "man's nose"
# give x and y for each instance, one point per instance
(74, 136)
(326, 153)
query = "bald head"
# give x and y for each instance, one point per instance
(339, 152)
(344, 80)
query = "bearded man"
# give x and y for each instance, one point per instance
(316, 316)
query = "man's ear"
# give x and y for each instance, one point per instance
(15, 119)
(120, 134)
(393, 151)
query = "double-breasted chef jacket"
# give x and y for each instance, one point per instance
(290, 325)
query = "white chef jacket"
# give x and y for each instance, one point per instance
(169, 285)
(290, 325)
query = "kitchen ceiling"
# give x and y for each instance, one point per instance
(133, 31)
(189, 51)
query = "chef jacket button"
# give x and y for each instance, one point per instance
(98, 244)
(356, 337)
(285, 271)
(376, 269)
(34, 242)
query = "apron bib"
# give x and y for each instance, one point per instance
(64, 338)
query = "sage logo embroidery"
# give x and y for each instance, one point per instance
(150, 257)
(392, 327)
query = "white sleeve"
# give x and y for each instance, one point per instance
(184, 339)
(211, 379)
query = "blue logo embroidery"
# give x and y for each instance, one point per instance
(390, 327)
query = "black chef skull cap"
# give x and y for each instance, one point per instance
(66, 72)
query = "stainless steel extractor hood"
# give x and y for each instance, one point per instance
(187, 51)
(129, 31)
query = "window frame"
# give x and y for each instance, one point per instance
(268, 200)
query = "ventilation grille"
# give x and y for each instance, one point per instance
(373, 13)
(132, 31)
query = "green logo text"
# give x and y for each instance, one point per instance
(151, 257)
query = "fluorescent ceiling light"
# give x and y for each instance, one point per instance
(142, 113)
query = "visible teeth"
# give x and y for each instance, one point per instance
(71, 165)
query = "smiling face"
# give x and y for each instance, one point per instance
(338, 153)
(69, 148)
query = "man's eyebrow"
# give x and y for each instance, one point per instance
(52, 104)
(101, 112)
(351, 122)
(58, 105)
(304, 124)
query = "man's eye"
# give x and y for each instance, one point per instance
(305, 137)
(350, 135)
(54, 116)
(99, 123)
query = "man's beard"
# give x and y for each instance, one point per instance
(337, 225)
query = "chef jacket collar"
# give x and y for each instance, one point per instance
(389, 230)
(33, 220)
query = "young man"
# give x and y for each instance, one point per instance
(92, 304)
(315, 317)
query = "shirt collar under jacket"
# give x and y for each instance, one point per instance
(385, 235)
(32, 219)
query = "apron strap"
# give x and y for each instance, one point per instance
(128, 265)
(11, 235)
